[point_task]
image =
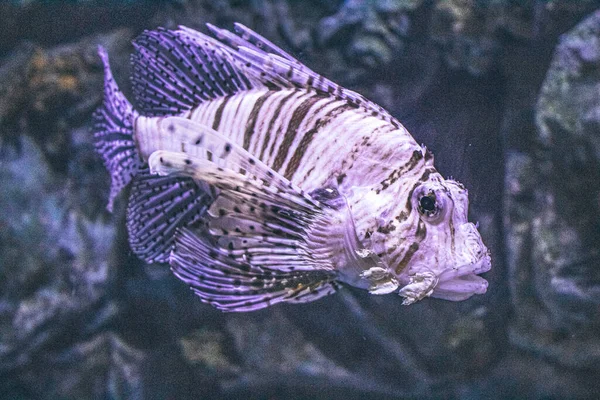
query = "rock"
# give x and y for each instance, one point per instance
(13, 80)
(472, 34)
(55, 270)
(377, 29)
(553, 203)
(51, 92)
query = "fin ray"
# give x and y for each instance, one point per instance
(234, 286)
(174, 72)
(157, 207)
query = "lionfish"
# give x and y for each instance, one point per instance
(260, 181)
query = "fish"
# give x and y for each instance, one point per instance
(260, 181)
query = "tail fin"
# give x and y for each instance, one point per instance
(113, 132)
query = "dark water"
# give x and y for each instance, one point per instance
(507, 96)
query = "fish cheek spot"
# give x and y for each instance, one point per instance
(188, 161)
(227, 148)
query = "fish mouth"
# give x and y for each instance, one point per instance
(460, 283)
(453, 283)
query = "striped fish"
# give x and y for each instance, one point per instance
(260, 181)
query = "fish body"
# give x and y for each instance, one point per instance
(260, 181)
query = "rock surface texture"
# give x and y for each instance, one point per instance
(505, 93)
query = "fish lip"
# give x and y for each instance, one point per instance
(460, 283)
(484, 264)
(455, 283)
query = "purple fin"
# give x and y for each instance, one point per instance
(157, 207)
(113, 132)
(256, 208)
(232, 285)
(273, 223)
(174, 72)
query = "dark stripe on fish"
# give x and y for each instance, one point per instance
(412, 249)
(219, 112)
(452, 229)
(386, 128)
(251, 123)
(426, 174)
(308, 137)
(398, 172)
(267, 137)
(292, 130)
(420, 235)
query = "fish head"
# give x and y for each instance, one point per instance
(443, 252)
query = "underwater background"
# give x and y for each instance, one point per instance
(506, 93)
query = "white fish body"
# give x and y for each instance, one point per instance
(269, 183)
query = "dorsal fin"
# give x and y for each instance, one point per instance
(298, 75)
(246, 37)
(174, 71)
(268, 59)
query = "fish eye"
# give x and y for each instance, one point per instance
(427, 205)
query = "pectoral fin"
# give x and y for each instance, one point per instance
(262, 241)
